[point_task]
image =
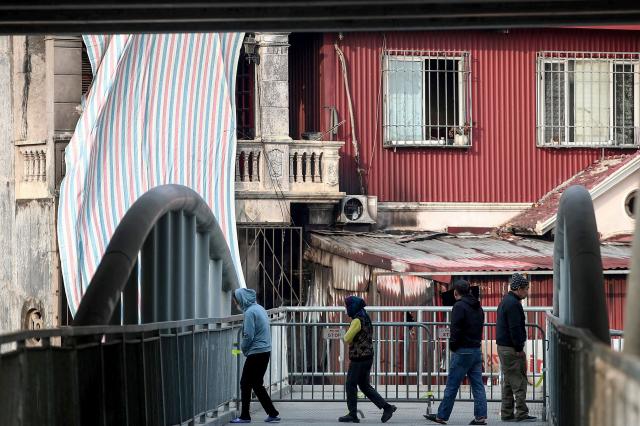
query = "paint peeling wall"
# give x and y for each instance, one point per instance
(38, 99)
(7, 321)
(334, 277)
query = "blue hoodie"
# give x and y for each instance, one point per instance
(256, 336)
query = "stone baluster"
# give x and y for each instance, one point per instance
(29, 159)
(238, 166)
(43, 166)
(308, 173)
(255, 166)
(245, 165)
(302, 158)
(292, 170)
(298, 167)
(316, 166)
(25, 166)
(38, 165)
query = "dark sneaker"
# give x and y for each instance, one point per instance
(434, 418)
(388, 412)
(527, 419)
(349, 418)
(508, 419)
(272, 419)
(481, 421)
(239, 420)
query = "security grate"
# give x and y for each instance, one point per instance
(271, 259)
(588, 99)
(427, 98)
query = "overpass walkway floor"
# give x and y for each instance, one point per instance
(327, 413)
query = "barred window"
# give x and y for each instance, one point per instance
(588, 99)
(426, 98)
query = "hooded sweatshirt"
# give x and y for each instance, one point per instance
(256, 336)
(467, 320)
(360, 334)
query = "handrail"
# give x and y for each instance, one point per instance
(402, 308)
(590, 384)
(112, 275)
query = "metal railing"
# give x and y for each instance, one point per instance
(590, 384)
(411, 354)
(159, 373)
(138, 374)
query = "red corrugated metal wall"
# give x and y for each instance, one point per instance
(493, 289)
(503, 165)
(615, 288)
(304, 89)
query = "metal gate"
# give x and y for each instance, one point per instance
(271, 259)
(411, 361)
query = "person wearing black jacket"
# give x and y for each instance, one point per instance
(511, 336)
(467, 320)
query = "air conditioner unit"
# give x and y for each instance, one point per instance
(358, 209)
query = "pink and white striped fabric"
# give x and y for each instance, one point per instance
(161, 110)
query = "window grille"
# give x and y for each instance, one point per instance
(588, 99)
(427, 98)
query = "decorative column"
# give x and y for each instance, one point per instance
(272, 84)
(272, 107)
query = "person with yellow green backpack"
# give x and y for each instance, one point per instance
(359, 337)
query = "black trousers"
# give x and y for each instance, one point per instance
(358, 377)
(252, 375)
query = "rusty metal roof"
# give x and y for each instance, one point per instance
(445, 253)
(540, 217)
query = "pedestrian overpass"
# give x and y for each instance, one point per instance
(147, 345)
(180, 365)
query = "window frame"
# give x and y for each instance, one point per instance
(612, 59)
(463, 65)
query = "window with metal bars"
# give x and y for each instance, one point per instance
(427, 98)
(588, 99)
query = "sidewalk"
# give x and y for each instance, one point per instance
(327, 413)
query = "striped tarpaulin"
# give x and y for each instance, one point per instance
(161, 110)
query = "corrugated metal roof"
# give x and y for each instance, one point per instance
(442, 254)
(530, 222)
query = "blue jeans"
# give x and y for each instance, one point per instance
(464, 362)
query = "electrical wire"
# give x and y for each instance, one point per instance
(354, 140)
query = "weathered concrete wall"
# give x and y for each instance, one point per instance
(32, 88)
(7, 198)
(35, 261)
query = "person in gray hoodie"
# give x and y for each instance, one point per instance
(256, 346)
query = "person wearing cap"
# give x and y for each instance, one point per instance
(511, 336)
(467, 321)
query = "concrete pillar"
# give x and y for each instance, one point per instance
(272, 84)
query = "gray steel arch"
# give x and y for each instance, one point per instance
(186, 269)
(578, 296)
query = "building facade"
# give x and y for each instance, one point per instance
(467, 128)
(41, 87)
